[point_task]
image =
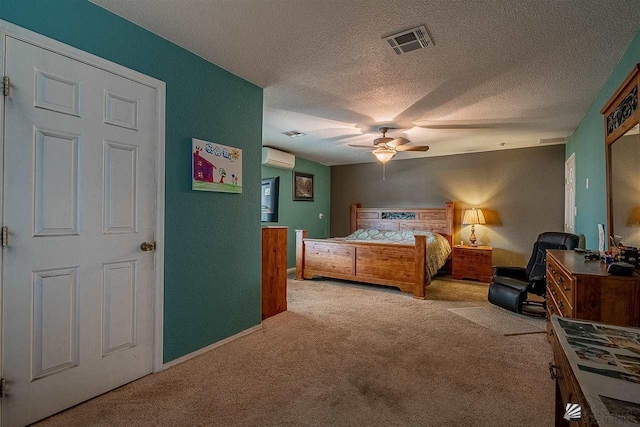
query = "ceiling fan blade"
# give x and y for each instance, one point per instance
(398, 142)
(460, 126)
(472, 126)
(362, 146)
(384, 140)
(413, 148)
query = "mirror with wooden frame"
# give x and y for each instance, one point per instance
(622, 143)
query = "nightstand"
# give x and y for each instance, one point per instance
(472, 263)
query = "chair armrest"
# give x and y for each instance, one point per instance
(513, 272)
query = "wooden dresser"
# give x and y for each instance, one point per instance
(584, 290)
(274, 271)
(472, 262)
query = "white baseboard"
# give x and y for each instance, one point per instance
(291, 270)
(211, 347)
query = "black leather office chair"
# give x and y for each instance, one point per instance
(510, 285)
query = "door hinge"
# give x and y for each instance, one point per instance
(6, 85)
(3, 387)
(4, 237)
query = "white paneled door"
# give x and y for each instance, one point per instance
(79, 199)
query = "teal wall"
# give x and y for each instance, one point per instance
(302, 215)
(587, 141)
(212, 255)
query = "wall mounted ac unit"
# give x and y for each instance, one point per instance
(277, 159)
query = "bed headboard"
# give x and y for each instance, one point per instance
(437, 220)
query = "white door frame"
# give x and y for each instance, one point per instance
(571, 158)
(10, 30)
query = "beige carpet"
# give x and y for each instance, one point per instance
(348, 355)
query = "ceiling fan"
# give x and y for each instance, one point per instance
(385, 148)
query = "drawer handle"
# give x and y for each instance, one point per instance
(560, 304)
(567, 289)
(553, 271)
(561, 280)
(553, 372)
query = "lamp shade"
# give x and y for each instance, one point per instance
(634, 218)
(384, 154)
(473, 216)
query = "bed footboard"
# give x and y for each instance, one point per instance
(300, 236)
(396, 265)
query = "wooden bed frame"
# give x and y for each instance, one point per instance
(387, 264)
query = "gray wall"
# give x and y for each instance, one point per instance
(521, 192)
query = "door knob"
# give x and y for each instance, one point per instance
(147, 246)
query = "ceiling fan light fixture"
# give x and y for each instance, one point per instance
(384, 154)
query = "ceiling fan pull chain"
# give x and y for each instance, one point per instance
(384, 168)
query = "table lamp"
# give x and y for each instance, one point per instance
(473, 216)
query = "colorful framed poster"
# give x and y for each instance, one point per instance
(215, 167)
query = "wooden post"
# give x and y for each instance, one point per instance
(300, 236)
(450, 220)
(451, 225)
(421, 279)
(274, 271)
(353, 225)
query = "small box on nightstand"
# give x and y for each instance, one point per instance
(472, 263)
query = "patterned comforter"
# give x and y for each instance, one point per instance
(438, 248)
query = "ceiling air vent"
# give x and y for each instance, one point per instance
(552, 141)
(408, 40)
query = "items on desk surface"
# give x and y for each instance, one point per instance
(601, 238)
(624, 253)
(621, 269)
(630, 255)
(625, 258)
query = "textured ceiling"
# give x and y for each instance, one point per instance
(506, 72)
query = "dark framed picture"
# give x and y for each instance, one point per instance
(302, 187)
(269, 198)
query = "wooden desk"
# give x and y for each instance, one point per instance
(607, 395)
(584, 290)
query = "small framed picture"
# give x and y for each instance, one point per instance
(302, 187)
